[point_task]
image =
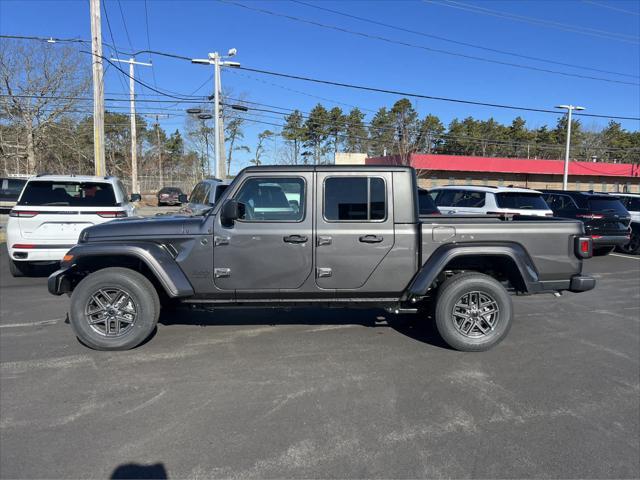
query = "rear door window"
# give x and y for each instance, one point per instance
(469, 199)
(354, 199)
(72, 194)
(607, 205)
(446, 198)
(521, 201)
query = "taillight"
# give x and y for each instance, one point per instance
(24, 246)
(22, 213)
(596, 237)
(584, 247)
(111, 214)
(590, 216)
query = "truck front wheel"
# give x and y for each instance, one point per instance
(473, 312)
(114, 309)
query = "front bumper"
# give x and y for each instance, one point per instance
(59, 282)
(582, 283)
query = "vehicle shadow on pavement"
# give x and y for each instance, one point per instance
(417, 327)
(135, 470)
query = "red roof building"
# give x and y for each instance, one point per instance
(446, 169)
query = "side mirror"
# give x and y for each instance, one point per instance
(182, 198)
(135, 197)
(230, 212)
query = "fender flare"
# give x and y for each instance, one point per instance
(444, 254)
(161, 264)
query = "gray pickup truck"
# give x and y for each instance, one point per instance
(319, 235)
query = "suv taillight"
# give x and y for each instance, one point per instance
(590, 216)
(22, 213)
(111, 214)
(584, 247)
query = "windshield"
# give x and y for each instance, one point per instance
(521, 201)
(73, 194)
(607, 204)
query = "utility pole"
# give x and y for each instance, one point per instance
(217, 61)
(157, 116)
(98, 88)
(565, 176)
(135, 186)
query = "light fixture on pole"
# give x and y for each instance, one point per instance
(203, 116)
(218, 61)
(569, 109)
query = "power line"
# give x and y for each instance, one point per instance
(422, 47)
(124, 22)
(611, 7)
(537, 21)
(457, 42)
(106, 16)
(146, 24)
(427, 97)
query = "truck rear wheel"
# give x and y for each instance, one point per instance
(473, 312)
(114, 309)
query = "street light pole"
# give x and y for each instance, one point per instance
(570, 109)
(217, 61)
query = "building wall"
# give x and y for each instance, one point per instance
(343, 158)
(430, 179)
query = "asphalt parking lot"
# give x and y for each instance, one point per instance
(325, 393)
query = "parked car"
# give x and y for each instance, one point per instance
(204, 195)
(52, 211)
(605, 218)
(631, 202)
(355, 239)
(10, 189)
(169, 196)
(490, 200)
(426, 205)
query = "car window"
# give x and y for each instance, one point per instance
(11, 187)
(607, 204)
(354, 199)
(631, 203)
(521, 200)
(446, 198)
(469, 199)
(123, 191)
(426, 205)
(75, 194)
(272, 199)
(559, 202)
(219, 191)
(197, 195)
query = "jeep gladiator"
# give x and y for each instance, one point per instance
(319, 235)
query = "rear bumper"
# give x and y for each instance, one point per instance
(610, 240)
(40, 253)
(582, 283)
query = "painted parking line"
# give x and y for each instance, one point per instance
(41, 323)
(624, 256)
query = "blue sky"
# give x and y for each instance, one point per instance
(194, 28)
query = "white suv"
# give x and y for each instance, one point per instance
(52, 211)
(478, 200)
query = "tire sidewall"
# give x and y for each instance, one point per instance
(452, 290)
(142, 293)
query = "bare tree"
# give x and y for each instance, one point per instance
(42, 83)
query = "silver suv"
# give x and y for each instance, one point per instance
(205, 195)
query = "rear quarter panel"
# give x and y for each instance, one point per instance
(549, 242)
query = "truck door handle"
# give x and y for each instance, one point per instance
(371, 239)
(295, 239)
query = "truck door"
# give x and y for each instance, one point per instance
(354, 226)
(271, 246)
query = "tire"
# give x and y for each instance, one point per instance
(601, 251)
(125, 295)
(459, 294)
(160, 204)
(633, 247)
(19, 269)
